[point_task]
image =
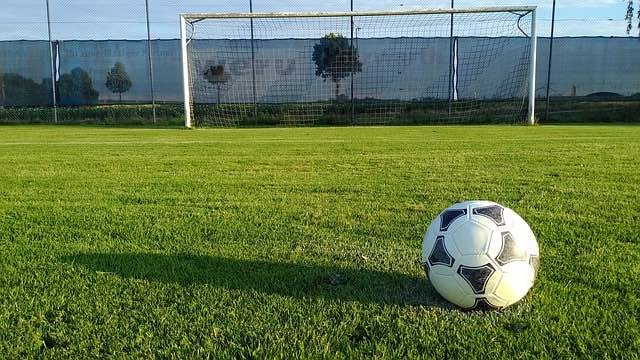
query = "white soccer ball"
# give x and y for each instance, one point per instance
(480, 255)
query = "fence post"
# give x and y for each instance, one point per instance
(553, 25)
(53, 67)
(353, 110)
(451, 61)
(153, 98)
(253, 68)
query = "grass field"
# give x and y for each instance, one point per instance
(262, 243)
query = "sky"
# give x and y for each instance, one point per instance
(125, 19)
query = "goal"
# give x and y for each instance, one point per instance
(427, 66)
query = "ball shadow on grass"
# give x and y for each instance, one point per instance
(287, 279)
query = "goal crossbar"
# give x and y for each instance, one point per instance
(426, 11)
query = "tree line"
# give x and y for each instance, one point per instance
(73, 88)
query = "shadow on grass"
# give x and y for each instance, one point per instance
(287, 279)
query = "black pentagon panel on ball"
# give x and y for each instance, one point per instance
(439, 255)
(534, 261)
(493, 212)
(483, 304)
(510, 250)
(477, 277)
(449, 216)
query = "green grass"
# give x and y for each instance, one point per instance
(262, 243)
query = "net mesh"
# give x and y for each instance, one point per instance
(353, 70)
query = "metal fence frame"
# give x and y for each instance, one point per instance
(545, 98)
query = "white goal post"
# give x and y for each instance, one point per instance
(426, 65)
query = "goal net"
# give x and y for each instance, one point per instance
(408, 67)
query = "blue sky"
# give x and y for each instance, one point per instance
(125, 19)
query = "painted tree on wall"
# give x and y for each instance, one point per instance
(630, 15)
(2, 94)
(76, 88)
(118, 80)
(16, 90)
(217, 76)
(335, 59)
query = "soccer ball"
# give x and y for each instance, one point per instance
(480, 255)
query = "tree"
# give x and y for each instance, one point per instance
(217, 76)
(335, 59)
(629, 17)
(76, 88)
(118, 80)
